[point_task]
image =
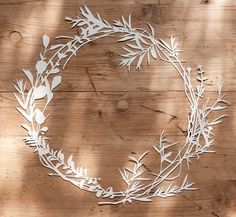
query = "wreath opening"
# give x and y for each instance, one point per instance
(140, 44)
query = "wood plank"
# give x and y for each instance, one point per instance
(91, 145)
(85, 119)
(98, 111)
(208, 45)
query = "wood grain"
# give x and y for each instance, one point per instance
(85, 118)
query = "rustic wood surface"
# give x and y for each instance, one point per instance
(86, 120)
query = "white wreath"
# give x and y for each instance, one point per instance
(141, 44)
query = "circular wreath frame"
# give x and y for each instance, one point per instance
(140, 44)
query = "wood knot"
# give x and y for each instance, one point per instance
(110, 53)
(122, 105)
(100, 114)
(15, 36)
(205, 1)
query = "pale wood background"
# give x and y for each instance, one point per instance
(86, 121)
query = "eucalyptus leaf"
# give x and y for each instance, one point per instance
(41, 66)
(56, 81)
(46, 41)
(39, 117)
(40, 92)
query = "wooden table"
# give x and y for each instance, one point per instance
(86, 120)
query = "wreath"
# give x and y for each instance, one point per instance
(140, 44)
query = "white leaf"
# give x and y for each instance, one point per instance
(165, 157)
(88, 10)
(140, 61)
(157, 149)
(56, 81)
(90, 181)
(46, 41)
(189, 69)
(28, 117)
(82, 182)
(143, 199)
(26, 127)
(143, 155)
(185, 180)
(153, 52)
(61, 55)
(129, 20)
(20, 101)
(69, 172)
(50, 96)
(133, 159)
(29, 76)
(148, 58)
(123, 176)
(40, 92)
(28, 96)
(55, 46)
(219, 107)
(165, 44)
(70, 162)
(41, 66)
(126, 38)
(47, 85)
(44, 129)
(172, 40)
(110, 191)
(152, 30)
(133, 46)
(39, 117)
(61, 155)
(144, 41)
(129, 170)
(42, 151)
(54, 71)
(124, 21)
(99, 193)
